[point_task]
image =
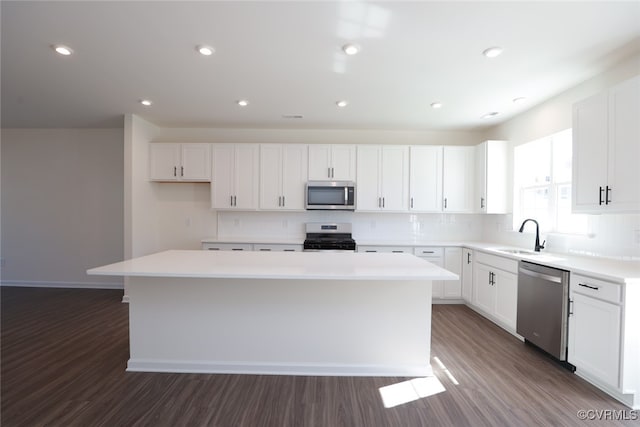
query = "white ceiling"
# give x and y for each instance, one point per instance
(286, 58)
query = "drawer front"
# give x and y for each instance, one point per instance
(277, 248)
(386, 249)
(227, 246)
(596, 288)
(428, 252)
(499, 262)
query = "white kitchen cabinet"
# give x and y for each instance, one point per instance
(235, 176)
(606, 177)
(283, 175)
(332, 162)
(425, 178)
(594, 328)
(491, 178)
(277, 247)
(436, 256)
(180, 162)
(210, 246)
(496, 289)
(457, 181)
(382, 178)
(467, 275)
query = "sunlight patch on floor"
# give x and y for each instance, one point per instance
(409, 391)
(446, 371)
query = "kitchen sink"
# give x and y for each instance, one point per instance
(518, 251)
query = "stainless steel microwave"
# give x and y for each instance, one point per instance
(331, 195)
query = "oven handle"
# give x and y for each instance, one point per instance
(535, 274)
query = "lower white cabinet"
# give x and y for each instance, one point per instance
(496, 289)
(449, 259)
(595, 315)
(467, 275)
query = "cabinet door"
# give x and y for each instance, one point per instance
(222, 176)
(343, 162)
(368, 178)
(589, 165)
(485, 294)
(457, 181)
(246, 166)
(271, 176)
(394, 182)
(164, 160)
(467, 274)
(319, 162)
(196, 162)
(491, 177)
(506, 288)
(294, 176)
(453, 263)
(425, 179)
(624, 146)
(480, 199)
(594, 338)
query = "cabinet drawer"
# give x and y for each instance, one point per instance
(227, 246)
(387, 249)
(596, 288)
(494, 261)
(277, 248)
(428, 252)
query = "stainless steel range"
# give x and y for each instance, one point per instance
(329, 237)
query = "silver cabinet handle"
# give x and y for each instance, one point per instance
(383, 202)
(595, 288)
(175, 171)
(411, 204)
(328, 172)
(231, 200)
(481, 202)
(214, 249)
(332, 173)
(181, 170)
(445, 203)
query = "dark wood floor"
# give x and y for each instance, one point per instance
(64, 354)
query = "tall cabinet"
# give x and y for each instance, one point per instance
(457, 180)
(235, 176)
(425, 178)
(606, 151)
(382, 177)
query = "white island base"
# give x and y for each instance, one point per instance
(279, 313)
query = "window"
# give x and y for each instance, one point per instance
(542, 185)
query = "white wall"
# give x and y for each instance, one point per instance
(609, 235)
(61, 205)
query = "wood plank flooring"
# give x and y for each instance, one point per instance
(64, 354)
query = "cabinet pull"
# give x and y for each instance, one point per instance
(332, 173)
(231, 200)
(606, 197)
(468, 257)
(328, 172)
(237, 249)
(397, 252)
(235, 200)
(428, 252)
(214, 249)
(371, 251)
(595, 288)
(289, 250)
(383, 202)
(481, 202)
(411, 203)
(265, 250)
(445, 203)
(175, 171)
(570, 307)
(600, 196)
(181, 170)
(283, 201)
(379, 202)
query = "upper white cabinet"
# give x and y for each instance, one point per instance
(383, 178)
(283, 175)
(332, 162)
(606, 151)
(425, 178)
(179, 162)
(491, 171)
(457, 181)
(235, 176)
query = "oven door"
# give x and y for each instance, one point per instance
(330, 195)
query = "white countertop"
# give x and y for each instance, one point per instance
(278, 265)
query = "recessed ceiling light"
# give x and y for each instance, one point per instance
(492, 52)
(243, 102)
(342, 103)
(146, 102)
(519, 100)
(350, 49)
(436, 105)
(62, 49)
(205, 50)
(489, 115)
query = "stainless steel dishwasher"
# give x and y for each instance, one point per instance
(543, 301)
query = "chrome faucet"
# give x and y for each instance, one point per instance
(538, 245)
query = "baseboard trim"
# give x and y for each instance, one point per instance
(255, 368)
(77, 285)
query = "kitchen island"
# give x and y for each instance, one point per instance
(291, 313)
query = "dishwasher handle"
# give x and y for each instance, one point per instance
(548, 277)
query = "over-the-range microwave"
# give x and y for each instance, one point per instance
(331, 195)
